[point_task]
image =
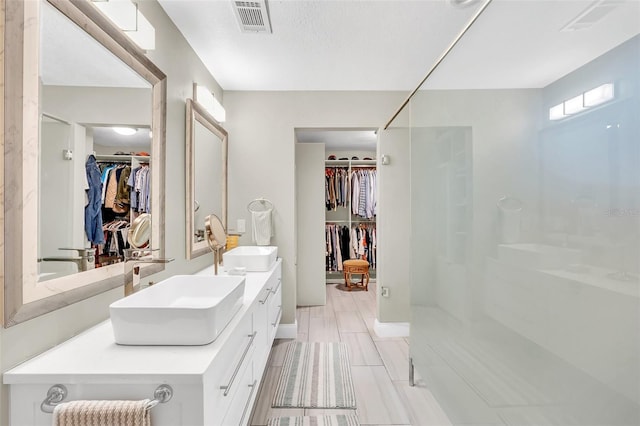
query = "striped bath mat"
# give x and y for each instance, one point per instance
(332, 420)
(315, 375)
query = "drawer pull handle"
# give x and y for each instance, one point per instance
(246, 407)
(263, 301)
(275, 290)
(277, 316)
(227, 388)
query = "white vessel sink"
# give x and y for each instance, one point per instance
(253, 258)
(181, 310)
(538, 256)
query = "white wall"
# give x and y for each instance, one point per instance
(394, 226)
(262, 154)
(310, 208)
(176, 59)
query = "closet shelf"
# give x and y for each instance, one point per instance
(122, 158)
(349, 162)
(351, 221)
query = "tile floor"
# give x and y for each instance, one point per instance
(379, 365)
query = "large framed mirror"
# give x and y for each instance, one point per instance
(206, 175)
(71, 79)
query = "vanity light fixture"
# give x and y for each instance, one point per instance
(125, 131)
(590, 98)
(205, 97)
(125, 14)
(599, 95)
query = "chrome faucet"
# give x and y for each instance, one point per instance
(85, 260)
(132, 260)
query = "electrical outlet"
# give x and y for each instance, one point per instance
(241, 225)
(384, 291)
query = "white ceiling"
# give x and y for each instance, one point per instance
(106, 136)
(390, 44)
(87, 63)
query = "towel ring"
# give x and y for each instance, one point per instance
(259, 205)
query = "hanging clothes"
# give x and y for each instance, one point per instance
(364, 201)
(92, 211)
(139, 189)
(343, 243)
(336, 187)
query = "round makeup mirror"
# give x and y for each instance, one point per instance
(216, 237)
(140, 231)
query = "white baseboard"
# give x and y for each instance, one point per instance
(391, 329)
(287, 331)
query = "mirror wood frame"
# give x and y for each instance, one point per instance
(19, 125)
(197, 113)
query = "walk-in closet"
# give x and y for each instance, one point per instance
(337, 193)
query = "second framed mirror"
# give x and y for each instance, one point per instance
(206, 168)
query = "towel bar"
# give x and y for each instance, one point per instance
(57, 393)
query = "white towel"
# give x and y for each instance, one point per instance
(102, 413)
(262, 227)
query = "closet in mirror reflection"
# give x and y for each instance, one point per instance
(94, 151)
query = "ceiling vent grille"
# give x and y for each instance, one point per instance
(592, 14)
(253, 16)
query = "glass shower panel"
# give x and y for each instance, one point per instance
(526, 250)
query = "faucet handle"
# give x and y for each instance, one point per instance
(136, 253)
(84, 253)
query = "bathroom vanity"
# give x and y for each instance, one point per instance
(214, 384)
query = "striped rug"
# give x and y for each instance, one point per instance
(315, 375)
(332, 420)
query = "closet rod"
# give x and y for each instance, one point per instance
(329, 222)
(437, 63)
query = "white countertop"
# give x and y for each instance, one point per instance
(94, 357)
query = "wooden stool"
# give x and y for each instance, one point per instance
(356, 266)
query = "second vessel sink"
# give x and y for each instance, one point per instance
(181, 310)
(253, 258)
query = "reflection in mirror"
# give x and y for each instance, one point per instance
(206, 175)
(216, 236)
(71, 213)
(88, 164)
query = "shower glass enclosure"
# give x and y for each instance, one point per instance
(526, 249)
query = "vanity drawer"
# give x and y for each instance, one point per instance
(239, 411)
(275, 312)
(231, 364)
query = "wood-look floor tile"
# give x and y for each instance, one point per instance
(376, 397)
(395, 354)
(421, 405)
(323, 329)
(322, 311)
(350, 322)
(343, 303)
(302, 317)
(262, 410)
(278, 350)
(366, 306)
(362, 351)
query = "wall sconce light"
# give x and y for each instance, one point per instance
(130, 20)
(204, 97)
(590, 98)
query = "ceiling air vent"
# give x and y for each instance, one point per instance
(592, 14)
(253, 16)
